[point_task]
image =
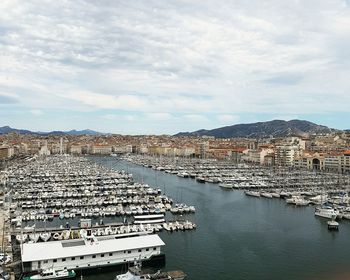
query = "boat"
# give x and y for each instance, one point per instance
(149, 219)
(252, 193)
(226, 186)
(21, 237)
(266, 194)
(134, 273)
(298, 201)
(326, 212)
(52, 274)
(333, 225)
(200, 180)
(45, 236)
(34, 237)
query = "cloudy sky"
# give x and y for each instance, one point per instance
(168, 66)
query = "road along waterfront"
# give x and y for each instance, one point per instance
(240, 237)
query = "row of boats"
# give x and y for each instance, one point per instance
(66, 187)
(241, 175)
(47, 214)
(154, 224)
(133, 273)
(325, 210)
(298, 187)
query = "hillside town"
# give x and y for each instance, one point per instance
(326, 152)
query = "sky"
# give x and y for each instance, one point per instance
(144, 67)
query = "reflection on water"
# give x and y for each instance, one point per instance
(240, 237)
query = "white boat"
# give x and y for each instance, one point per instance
(319, 199)
(21, 237)
(134, 273)
(276, 195)
(149, 219)
(298, 201)
(326, 212)
(302, 202)
(266, 194)
(226, 185)
(45, 236)
(34, 237)
(52, 274)
(252, 193)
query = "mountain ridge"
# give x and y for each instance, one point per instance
(7, 129)
(274, 128)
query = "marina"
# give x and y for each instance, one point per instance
(226, 218)
(297, 187)
(84, 215)
(242, 233)
(175, 140)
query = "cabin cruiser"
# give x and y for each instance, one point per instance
(326, 211)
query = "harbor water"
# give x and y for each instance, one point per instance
(241, 237)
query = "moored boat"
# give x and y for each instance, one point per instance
(252, 193)
(52, 274)
(326, 212)
(134, 273)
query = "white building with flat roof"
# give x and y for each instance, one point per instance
(90, 253)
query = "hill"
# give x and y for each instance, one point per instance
(275, 128)
(7, 129)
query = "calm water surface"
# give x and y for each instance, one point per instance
(240, 237)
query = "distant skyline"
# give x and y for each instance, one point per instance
(154, 67)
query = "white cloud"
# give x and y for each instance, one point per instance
(281, 57)
(195, 118)
(130, 118)
(109, 117)
(36, 112)
(158, 116)
(227, 119)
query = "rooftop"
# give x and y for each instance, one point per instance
(59, 249)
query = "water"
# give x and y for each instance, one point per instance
(240, 237)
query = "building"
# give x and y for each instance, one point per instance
(90, 252)
(6, 152)
(345, 162)
(236, 154)
(76, 149)
(285, 154)
(203, 149)
(100, 149)
(122, 149)
(332, 162)
(311, 161)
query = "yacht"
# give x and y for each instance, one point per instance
(252, 193)
(226, 185)
(326, 212)
(52, 274)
